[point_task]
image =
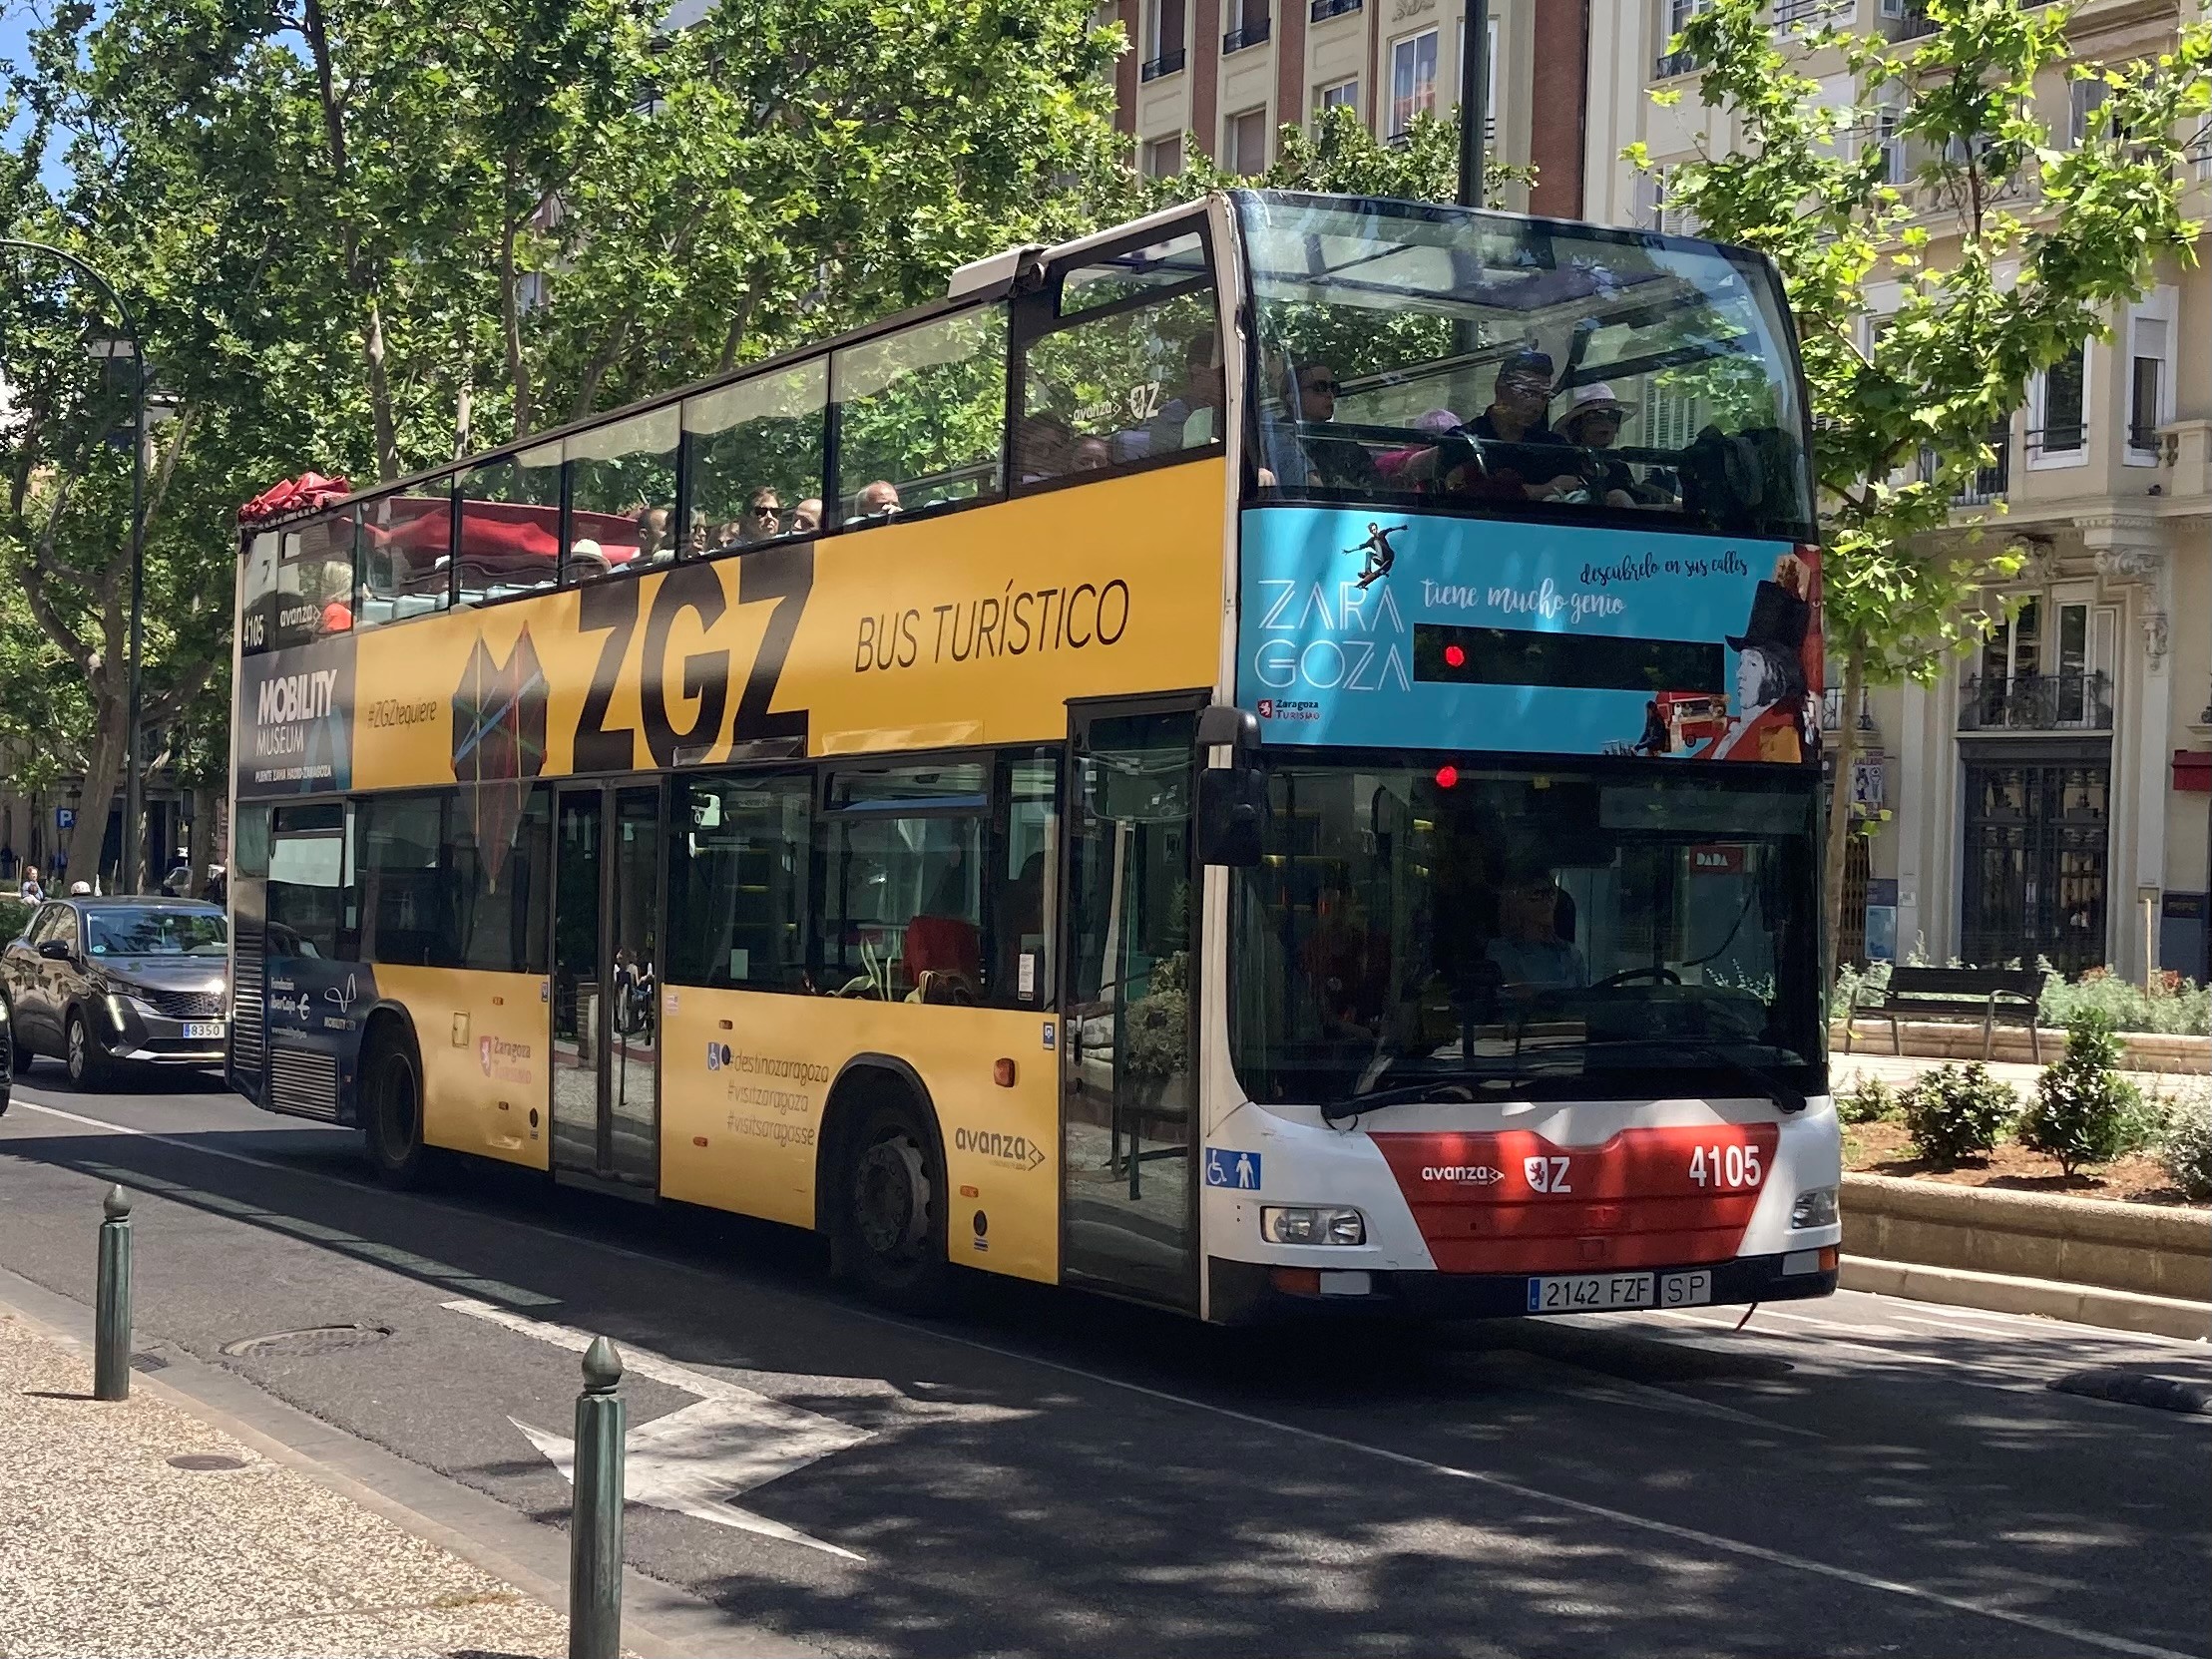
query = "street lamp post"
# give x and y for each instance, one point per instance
(134, 776)
(1474, 100)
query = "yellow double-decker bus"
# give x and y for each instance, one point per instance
(1265, 758)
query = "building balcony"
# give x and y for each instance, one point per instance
(1988, 483)
(2036, 702)
(1789, 12)
(1674, 64)
(1911, 23)
(1323, 10)
(1253, 34)
(1168, 62)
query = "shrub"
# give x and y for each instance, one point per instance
(1869, 1100)
(2084, 1110)
(2174, 1005)
(1957, 1110)
(1854, 983)
(15, 916)
(2187, 1153)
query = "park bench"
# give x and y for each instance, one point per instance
(1985, 994)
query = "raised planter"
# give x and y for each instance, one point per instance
(1949, 1039)
(2080, 1241)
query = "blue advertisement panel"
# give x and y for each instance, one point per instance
(293, 730)
(1414, 631)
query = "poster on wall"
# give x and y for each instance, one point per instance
(1429, 631)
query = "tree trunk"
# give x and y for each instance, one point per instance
(510, 308)
(1839, 806)
(205, 803)
(102, 773)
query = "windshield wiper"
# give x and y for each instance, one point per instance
(1766, 1083)
(1430, 1089)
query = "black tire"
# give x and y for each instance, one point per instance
(887, 1227)
(88, 1063)
(391, 1110)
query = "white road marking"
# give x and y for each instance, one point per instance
(1706, 1541)
(695, 1460)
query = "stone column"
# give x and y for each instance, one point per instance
(2135, 564)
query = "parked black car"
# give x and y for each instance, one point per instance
(100, 981)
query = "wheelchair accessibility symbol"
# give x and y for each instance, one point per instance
(1226, 1168)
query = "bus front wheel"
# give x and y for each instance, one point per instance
(391, 1110)
(888, 1235)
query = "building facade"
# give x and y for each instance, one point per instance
(1228, 74)
(2048, 794)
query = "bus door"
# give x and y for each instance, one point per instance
(606, 984)
(1130, 1097)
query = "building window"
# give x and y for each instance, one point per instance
(2083, 100)
(1413, 80)
(2062, 412)
(2149, 386)
(1677, 13)
(1894, 170)
(1164, 49)
(1489, 79)
(1245, 142)
(1252, 26)
(1163, 156)
(1344, 95)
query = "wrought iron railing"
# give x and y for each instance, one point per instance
(1152, 69)
(1988, 483)
(1323, 9)
(1830, 710)
(1913, 24)
(2036, 702)
(1672, 64)
(2066, 438)
(1251, 34)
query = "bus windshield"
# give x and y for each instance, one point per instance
(1560, 932)
(1493, 364)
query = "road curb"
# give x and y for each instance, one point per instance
(1958, 1286)
(659, 1621)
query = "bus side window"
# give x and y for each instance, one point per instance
(919, 414)
(738, 873)
(754, 459)
(1024, 910)
(510, 525)
(1130, 371)
(622, 495)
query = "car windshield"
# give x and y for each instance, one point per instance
(155, 933)
(1553, 933)
(1495, 364)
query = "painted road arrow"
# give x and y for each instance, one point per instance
(698, 1459)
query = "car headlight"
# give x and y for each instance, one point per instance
(115, 1009)
(1815, 1208)
(1311, 1224)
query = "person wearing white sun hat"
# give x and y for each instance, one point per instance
(1593, 421)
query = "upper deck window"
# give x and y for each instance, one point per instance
(921, 415)
(1520, 367)
(622, 495)
(511, 525)
(299, 584)
(407, 553)
(755, 459)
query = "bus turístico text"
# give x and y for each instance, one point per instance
(1266, 759)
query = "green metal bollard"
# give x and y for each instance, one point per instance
(111, 1350)
(596, 1526)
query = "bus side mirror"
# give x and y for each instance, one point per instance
(1233, 804)
(1232, 799)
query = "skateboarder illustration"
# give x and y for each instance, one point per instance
(1380, 555)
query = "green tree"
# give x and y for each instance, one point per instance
(2008, 251)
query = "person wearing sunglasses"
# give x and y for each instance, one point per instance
(1339, 463)
(764, 517)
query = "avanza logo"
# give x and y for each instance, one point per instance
(1017, 1150)
(1472, 1174)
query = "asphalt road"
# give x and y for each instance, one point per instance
(1052, 1473)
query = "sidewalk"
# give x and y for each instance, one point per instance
(106, 1547)
(1898, 1070)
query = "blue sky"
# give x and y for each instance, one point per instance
(16, 19)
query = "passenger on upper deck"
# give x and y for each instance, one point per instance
(879, 500)
(1593, 420)
(806, 518)
(1340, 462)
(763, 520)
(1042, 447)
(338, 593)
(653, 534)
(1093, 455)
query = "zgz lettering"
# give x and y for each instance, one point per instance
(1546, 1174)
(780, 577)
(1725, 1167)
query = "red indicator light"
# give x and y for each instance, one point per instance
(1455, 657)
(1447, 777)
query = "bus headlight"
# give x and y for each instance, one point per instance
(1815, 1208)
(1308, 1225)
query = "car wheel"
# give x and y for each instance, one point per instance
(88, 1063)
(391, 1111)
(888, 1233)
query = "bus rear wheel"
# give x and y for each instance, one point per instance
(887, 1236)
(391, 1110)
